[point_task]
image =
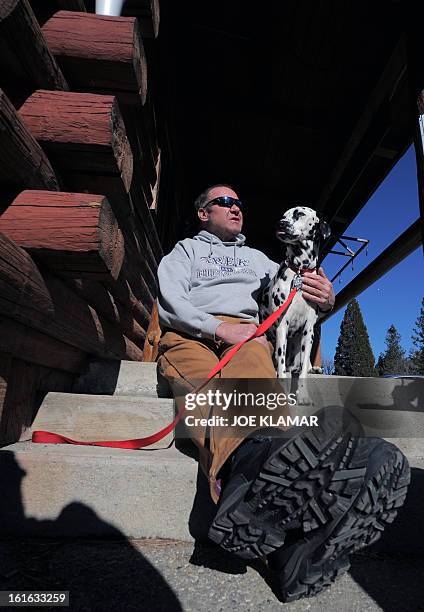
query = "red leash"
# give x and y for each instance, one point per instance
(45, 437)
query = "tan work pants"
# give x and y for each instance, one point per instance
(185, 362)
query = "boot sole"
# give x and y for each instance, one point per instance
(316, 561)
(286, 487)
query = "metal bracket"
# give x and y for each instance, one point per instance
(348, 252)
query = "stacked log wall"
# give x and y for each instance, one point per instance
(79, 182)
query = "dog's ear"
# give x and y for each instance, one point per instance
(325, 229)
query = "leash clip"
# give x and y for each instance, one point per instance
(297, 282)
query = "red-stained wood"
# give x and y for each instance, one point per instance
(123, 208)
(26, 62)
(110, 186)
(134, 277)
(46, 304)
(124, 295)
(75, 235)
(85, 138)
(144, 215)
(23, 163)
(140, 138)
(102, 300)
(80, 132)
(26, 387)
(99, 53)
(35, 347)
(148, 14)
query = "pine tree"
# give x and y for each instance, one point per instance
(354, 356)
(417, 355)
(393, 360)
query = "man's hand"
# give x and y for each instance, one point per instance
(318, 289)
(233, 333)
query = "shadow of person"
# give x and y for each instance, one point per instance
(393, 572)
(100, 574)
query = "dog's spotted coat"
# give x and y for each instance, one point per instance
(293, 334)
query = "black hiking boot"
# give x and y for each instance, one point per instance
(273, 484)
(348, 515)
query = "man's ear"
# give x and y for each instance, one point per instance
(202, 214)
(325, 229)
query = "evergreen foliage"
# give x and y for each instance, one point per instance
(354, 356)
(393, 360)
(417, 354)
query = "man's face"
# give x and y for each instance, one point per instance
(224, 222)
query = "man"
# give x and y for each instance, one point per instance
(208, 287)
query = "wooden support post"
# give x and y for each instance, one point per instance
(151, 344)
(26, 62)
(23, 162)
(99, 53)
(75, 235)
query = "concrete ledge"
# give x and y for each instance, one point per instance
(60, 490)
(87, 491)
(108, 377)
(103, 417)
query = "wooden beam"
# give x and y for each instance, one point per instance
(27, 384)
(80, 132)
(44, 10)
(148, 14)
(123, 294)
(26, 62)
(104, 303)
(365, 142)
(419, 156)
(23, 162)
(85, 137)
(99, 53)
(75, 235)
(46, 304)
(131, 275)
(400, 248)
(35, 347)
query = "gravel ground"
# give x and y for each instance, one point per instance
(163, 575)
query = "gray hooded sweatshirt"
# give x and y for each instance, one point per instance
(203, 276)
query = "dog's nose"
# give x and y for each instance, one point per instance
(283, 224)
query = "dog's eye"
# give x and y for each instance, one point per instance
(297, 214)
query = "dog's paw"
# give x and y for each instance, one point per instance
(315, 370)
(302, 397)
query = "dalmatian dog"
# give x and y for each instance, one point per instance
(301, 231)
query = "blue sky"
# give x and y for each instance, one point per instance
(396, 297)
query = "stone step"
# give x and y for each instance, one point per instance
(103, 417)
(66, 490)
(108, 377)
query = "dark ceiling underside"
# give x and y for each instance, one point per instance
(289, 101)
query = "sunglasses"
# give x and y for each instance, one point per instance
(225, 201)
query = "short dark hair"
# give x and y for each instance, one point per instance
(201, 199)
